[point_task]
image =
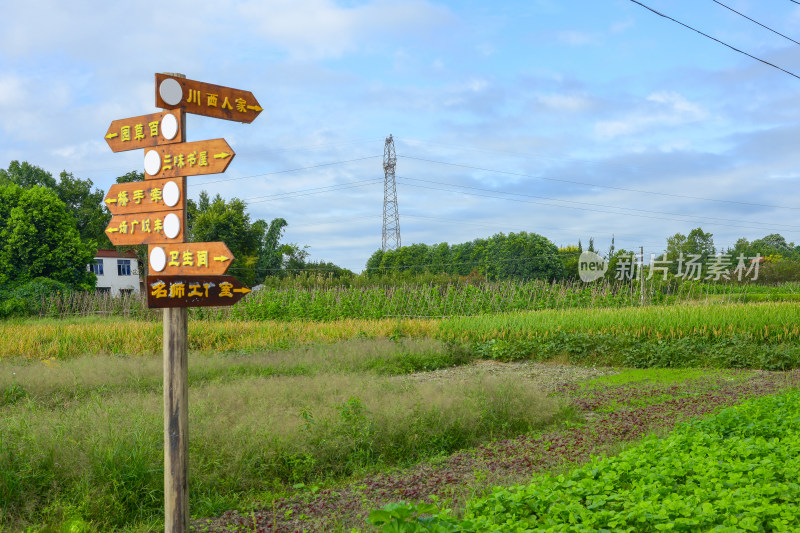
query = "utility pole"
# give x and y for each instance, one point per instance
(641, 273)
(391, 217)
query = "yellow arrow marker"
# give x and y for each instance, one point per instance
(243, 290)
(221, 258)
(112, 230)
(111, 135)
(222, 155)
(255, 108)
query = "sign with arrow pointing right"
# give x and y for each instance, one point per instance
(193, 291)
(201, 98)
(191, 258)
(188, 159)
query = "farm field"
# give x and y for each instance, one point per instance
(311, 425)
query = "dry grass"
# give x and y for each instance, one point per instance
(63, 339)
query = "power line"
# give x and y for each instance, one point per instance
(596, 205)
(760, 228)
(715, 39)
(290, 170)
(584, 184)
(308, 192)
(757, 22)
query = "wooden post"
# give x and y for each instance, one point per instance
(641, 275)
(176, 410)
(176, 421)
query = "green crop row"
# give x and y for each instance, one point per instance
(764, 336)
(424, 300)
(736, 471)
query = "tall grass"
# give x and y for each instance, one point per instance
(84, 439)
(61, 339)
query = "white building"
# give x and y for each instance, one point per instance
(117, 272)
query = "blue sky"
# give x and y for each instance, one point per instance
(572, 119)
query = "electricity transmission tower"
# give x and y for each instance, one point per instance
(391, 218)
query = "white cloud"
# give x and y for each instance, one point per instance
(621, 26)
(575, 38)
(664, 108)
(314, 29)
(564, 102)
(679, 104)
(12, 91)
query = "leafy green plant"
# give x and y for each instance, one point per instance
(734, 471)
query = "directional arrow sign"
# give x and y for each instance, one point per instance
(188, 159)
(146, 196)
(202, 98)
(146, 130)
(146, 228)
(191, 258)
(193, 291)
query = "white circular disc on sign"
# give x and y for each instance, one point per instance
(171, 91)
(152, 162)
(158, 259)
(171, 193)
(172, 225)
(169, 126)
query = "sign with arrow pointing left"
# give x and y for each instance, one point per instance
(191, 258)
(187, 159)
(146, 130)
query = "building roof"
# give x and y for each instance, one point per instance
(113, 253)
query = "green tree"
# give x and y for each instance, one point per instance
(270, 252)
(39, 238)
(130, 177)
(523, 256)
(698, 242)
(255, 244)
(91, 215)
(85, 204)
(570, 258)
(228, 221)
(773, 244)
(26, 176)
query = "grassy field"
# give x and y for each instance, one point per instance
(82, 437)
(284, 406)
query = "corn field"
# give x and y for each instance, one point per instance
(422, 300)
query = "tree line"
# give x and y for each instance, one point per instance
(531, 256)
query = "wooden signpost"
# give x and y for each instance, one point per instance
(146, 196)
(195, 258)
(193, 291)
(188, 159)
(146, 130)
(181, 275)
(146, 228)
(202, 98)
